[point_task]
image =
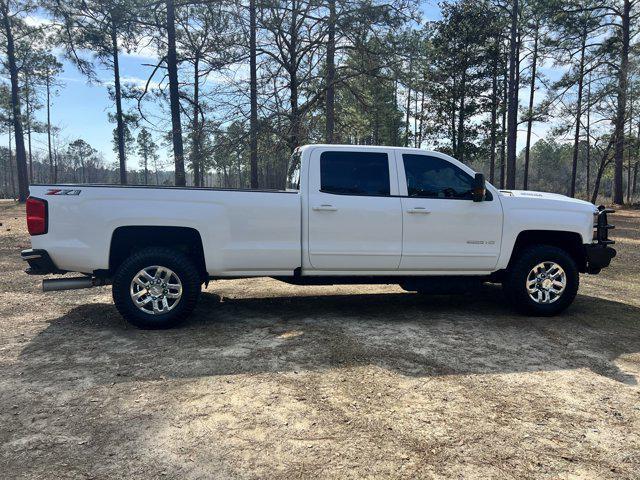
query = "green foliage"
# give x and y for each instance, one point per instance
(458, 73)
(131, 121)
(87, 27)
(398, 80)
(147, 151)
(367, 109)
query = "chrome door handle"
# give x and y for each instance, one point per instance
(324, 208)
(418, 210)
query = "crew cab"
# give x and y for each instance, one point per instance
(349, 214)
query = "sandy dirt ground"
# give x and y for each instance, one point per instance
(274, 381)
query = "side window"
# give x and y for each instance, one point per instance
(355, 173)
(432, 177)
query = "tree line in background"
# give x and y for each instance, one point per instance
(236, 86)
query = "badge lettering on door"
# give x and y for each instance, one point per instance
(481, 242)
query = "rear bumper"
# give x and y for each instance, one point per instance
(39, 261)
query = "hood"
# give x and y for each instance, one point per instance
(533, 195)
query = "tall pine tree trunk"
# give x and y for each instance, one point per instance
(619, 123)
(174, 95)
(294, 129)
(532, 92)
(253, 91)
(588, 128)
(452, 113)
(512, 106)
(146, 168)
(6, 174)
(294, 133)
(408, 113)
(420, 128)
(55, 163)
(494, 118)
(503, 147)
(637, 164)
(576, 140)
(48, 83)
(601, 168)
(21, 154)
(13, 181)
(195, 147)
(629, 147)
(27, 98)
(394, 135)
(415, 119)
(331, 74)
(461, 116)
(118, 92)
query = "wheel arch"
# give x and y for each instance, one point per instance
(127, 240)
(571, 242)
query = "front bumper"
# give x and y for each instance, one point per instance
(598, 257)
(599, 253)
(39, 261)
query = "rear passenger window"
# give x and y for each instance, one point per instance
(355, 173)
(433, 177)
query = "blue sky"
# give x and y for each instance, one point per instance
(81, 109)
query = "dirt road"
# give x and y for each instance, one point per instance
(274, 381)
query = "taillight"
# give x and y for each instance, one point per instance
(37, 221)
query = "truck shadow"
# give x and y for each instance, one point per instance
(412, 334)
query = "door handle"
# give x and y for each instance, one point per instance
(324, 208)
(421, 210)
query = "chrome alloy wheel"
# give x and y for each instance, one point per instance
(546, 282)
(156, 290)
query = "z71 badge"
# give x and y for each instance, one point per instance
(62, 191)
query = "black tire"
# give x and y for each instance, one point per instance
(515, 282)
(183, 268)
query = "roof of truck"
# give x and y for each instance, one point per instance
(387, 147)
(367, 147)
(374, 147)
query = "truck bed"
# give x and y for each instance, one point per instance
(243, 232)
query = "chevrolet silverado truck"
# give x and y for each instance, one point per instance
(349, 214)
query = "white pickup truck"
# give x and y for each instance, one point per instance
(350, 214)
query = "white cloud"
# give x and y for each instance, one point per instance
(144, 52)
(37, 20)
(140, 82)
(232, 74)
(135, 81)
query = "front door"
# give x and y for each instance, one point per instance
(354, 212)
(443, 228)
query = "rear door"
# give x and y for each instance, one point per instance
(354, 212)
(443, 228)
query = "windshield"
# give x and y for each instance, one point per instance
(293, 171)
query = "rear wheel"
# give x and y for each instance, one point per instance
(156, 288)
(543, 281)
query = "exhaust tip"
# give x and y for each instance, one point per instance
(54, 284)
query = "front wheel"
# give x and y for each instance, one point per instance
(543, 281)
(156, 288)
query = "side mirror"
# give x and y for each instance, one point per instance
(479, 188)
